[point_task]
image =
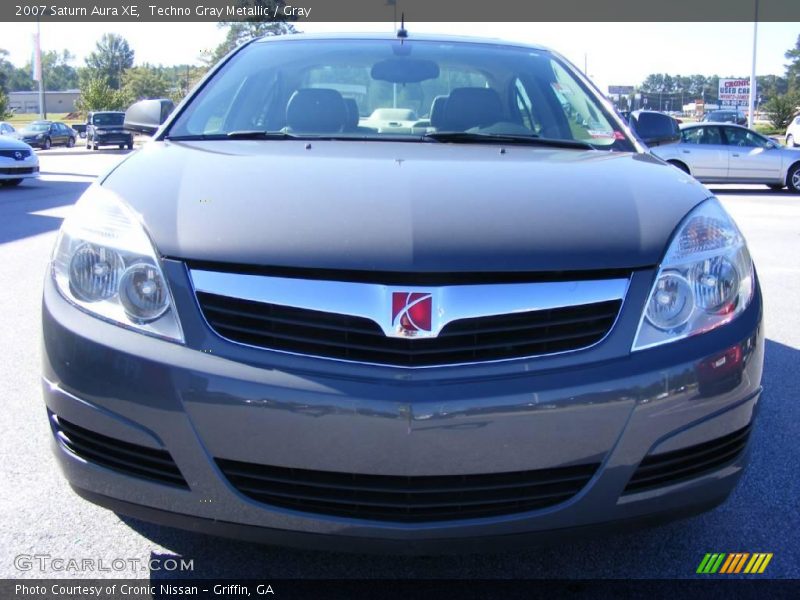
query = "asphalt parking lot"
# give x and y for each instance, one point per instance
(42, 516)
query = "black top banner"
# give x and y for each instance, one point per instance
(390, 10)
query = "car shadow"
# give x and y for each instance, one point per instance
(19, 206)
(84, 151)
(761, 510)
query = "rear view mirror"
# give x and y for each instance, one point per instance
(655, 128)
(146, 116)
(405, 70)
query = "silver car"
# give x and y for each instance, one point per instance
(727, 153)
(498, 320)
(18, 161)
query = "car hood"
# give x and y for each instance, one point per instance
(405, 206)
(10, 143)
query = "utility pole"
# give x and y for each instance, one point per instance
(751, 117)
(38, 69)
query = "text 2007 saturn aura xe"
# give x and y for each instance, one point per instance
(376, 292)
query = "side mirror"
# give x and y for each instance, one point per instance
(146, 116)
(655, 128)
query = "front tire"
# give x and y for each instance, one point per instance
(47, 144)
(793, 178)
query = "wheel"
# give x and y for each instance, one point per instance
(793, 178)
(11, 182)
(776, 187)
(130, 145)
(790, 141)
(680, 165)
(47, 143)
(70, 142)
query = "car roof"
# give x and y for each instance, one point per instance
(412, 37)
(707, 123)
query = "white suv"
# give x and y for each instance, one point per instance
(793, 133)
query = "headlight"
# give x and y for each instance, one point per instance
(705, 279)
(39, 136)
(105, 264)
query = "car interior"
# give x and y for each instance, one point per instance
(365, 95)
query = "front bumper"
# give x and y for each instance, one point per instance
(109, 139)
(19, 169)
(211, 400)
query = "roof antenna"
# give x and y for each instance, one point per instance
(402, 33)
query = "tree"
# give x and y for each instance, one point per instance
(96, 94)
(111, 58)
(144, 82)
(4, 112)
(240, 32)
(793, 68)
(781, 109)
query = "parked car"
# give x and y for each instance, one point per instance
(793, 133)
(18, 161)
(44, 134)
(724, 116)
(714, 153)
(105, 128)
(279, 323)
(7, 129)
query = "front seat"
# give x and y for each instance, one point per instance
(437, 111)
(316, 110)
(471, 107)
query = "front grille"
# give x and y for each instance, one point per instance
(23, 171)
(333, 335)
(130, 459)
(13, 154)
(679, 465)
(406, 498)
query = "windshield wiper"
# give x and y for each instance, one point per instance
(256, 134)
(466, 137)
(245, 134)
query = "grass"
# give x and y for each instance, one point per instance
(19, 120)
(767, 129)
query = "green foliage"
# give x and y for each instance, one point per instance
(781, 109)
(4, 112)
(96, 94)
(111, 58)
(240, 32)
(144, 82)
(793, 68)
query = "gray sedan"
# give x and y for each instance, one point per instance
(726, 153)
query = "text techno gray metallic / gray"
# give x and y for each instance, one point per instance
(371, 293)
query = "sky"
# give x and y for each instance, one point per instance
(615, 53)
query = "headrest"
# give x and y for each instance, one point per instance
(316, 110)
(437, 110)
(472, 107)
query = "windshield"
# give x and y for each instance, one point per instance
(38, 127)
(108, 119)
(382, 89)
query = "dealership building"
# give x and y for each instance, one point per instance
(54, 102)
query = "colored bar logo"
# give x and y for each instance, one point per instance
(734, 562)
